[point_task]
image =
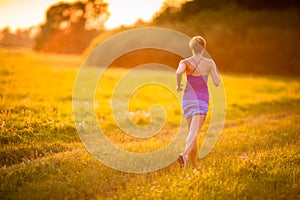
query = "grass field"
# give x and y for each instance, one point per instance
(42, 157)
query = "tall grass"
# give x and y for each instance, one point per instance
(41, 156)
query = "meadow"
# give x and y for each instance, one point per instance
(42, 156)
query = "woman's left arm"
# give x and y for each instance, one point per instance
(214, 74)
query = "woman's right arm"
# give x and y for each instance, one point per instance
(180, 70)
(214, 74)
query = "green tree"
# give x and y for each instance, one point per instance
(70, 27)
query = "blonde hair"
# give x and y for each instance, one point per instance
(197, 44)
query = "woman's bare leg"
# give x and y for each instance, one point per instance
(189, 121)
(194, 150)
(193, 153)
(195, 125)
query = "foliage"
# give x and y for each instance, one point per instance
(21, 38)
(242, 38)
(70, 27)
(41, 156)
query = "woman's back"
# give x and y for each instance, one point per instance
(202, 65)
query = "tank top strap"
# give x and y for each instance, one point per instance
(193, 71)
(196, 64)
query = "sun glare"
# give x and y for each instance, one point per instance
(23, 14)
(128, 12)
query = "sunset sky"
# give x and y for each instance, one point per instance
(25, 13)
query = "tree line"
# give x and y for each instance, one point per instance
(251, 36)
(69, 28)
(191, 8)
(19, 38)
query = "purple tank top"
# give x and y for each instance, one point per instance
(196, 86)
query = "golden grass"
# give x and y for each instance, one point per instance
(42, 157)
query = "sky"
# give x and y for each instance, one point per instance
(26, 13)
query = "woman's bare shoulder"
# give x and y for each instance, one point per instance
(205, 59)
(208, 61)
(186, 59)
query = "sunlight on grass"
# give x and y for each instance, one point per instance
(42, 157)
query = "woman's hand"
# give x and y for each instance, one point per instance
(179, 88)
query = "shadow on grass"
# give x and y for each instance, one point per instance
(28, 145)
(265, 107)
(22, 153)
